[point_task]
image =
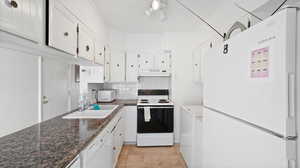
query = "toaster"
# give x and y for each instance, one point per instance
(107, 96)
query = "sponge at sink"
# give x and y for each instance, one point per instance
(96, 107)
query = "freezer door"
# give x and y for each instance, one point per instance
(254, 81)
(228, 143)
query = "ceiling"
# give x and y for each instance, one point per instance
(129, 15)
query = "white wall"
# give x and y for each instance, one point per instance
(18, 91)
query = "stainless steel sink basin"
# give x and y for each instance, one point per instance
(105, 111)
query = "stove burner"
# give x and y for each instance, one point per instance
(163, 101)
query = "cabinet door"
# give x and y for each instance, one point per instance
(146, 61)
(197, 65)
(22, 17)
(117, 66)
(107, 64)
(86, 43)
(130, 123)
(132, 67)
(99, 54)
(62, 29)
(163, 62)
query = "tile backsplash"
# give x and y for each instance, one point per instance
(124, 90)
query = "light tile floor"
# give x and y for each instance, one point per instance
(150, 157)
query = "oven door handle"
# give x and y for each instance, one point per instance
(157, 107)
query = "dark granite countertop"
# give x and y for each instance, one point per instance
(53, 143)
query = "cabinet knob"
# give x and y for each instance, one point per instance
(100, 54)
(118, 65)
(163, 62)
(114, 148)
(66, 34)
(12, 3)
(87, 48)
(146, 62)
(131, 66)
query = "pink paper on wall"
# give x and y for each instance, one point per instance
(260, 63)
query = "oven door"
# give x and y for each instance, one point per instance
(161, 120)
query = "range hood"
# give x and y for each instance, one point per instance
(154, 72)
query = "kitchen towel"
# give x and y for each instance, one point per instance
(147, 114)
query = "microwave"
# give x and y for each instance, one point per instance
(107, 95)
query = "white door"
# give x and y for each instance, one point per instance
(22, 17)
(117, 66)
(228, 143)
(86, 43)
(62, 28)
(55, 87)
(255, 80)
(132, 67)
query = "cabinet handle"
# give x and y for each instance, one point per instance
(66, 34)
(87, 48)
(101, 140)
(118, 65)
(163, 62)
(114, 148)
(12, 3)
(131, 66)
(146, 62)
(100, 54)
(45, 100)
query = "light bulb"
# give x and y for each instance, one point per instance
(155, 4)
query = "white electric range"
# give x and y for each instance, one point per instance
(155, 125)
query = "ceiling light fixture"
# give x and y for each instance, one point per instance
(156, 4)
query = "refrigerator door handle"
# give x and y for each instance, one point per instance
(291, 151)
(291, 117)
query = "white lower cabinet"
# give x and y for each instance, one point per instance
(191, 135)
(130, 113)
(104, 150)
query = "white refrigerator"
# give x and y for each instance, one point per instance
(251, 96)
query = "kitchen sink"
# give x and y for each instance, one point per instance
(105, 111)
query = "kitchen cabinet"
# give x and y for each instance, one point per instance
(163, 62)
(86, 43)
(118, 136)
(62, 28)
(107, 65)
(196, 61)
(146, 61)
(22, 18)
(99, 54)
(190, 135)
(92, 74)
(99, 152)
(132, 67)
(130, 115)
(117, 67)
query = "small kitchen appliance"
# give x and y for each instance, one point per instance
(107, 96)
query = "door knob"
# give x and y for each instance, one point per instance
(45, 100)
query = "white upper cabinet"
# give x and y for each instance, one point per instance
(162, 62)
(92, 74)
(107, 64)
(146, 61)
(62, 28)
(86, 43)
(117, 66)
(132, 67)
(99, 54)
(22, 18)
